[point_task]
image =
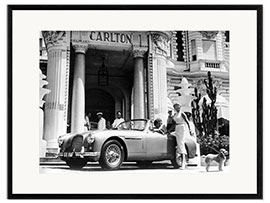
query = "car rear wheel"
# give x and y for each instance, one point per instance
(76, 163)
(112, 155)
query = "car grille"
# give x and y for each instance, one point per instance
(77, 143)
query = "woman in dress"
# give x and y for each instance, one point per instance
(181, 131)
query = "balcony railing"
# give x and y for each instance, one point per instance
(208, 64)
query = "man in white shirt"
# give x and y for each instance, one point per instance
(101, 121)
(118, 120)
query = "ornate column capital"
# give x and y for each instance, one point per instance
(80, 48)
(54, 38)
(161, 43)
(139, 52)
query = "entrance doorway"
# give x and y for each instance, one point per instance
(98, 100)
(115, 94)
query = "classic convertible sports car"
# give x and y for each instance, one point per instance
(132, 141)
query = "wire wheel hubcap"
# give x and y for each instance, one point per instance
(113, 155)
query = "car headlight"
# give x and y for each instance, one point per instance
(60, 141)
(90, 139)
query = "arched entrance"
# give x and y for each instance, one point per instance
(97, 100)
(114, 95)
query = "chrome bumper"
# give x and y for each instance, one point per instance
(78, 154)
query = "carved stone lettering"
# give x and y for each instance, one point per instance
(114, 37)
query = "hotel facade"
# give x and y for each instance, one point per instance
(140, 73)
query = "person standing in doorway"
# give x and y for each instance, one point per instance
(101, 121)
(118, 120)
(181, 131)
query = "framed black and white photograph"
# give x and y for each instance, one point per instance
(135, 102)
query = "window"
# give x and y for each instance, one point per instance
(209, 50)
(40, 46)
(193, 50)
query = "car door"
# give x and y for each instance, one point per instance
(156, 145)
(135, 142)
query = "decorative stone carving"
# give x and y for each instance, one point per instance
(53, 37)
(161, 44)
(209, 34)
(139, 52)
(80, 48)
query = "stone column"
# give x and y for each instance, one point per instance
(55, 122)
(78, 92)
(160, 53)
(128, 106)
(160, 87)
(138, 94)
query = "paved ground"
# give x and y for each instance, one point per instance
(156, 167)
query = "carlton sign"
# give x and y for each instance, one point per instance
(114, 37)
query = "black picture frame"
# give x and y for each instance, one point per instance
(257, 8)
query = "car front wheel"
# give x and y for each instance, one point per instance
(112, 155)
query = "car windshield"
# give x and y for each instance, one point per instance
(133, 125)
